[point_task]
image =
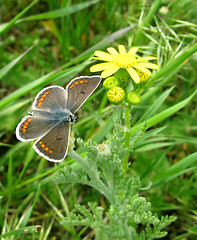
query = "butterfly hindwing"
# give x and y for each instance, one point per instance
(50, 98)
(79, 89)
(54, 145)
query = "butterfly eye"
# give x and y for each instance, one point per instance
(73, 118)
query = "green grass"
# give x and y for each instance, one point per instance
(50, 42)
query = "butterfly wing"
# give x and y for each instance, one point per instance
(32, 127)
(50, 98)
(79, 89)
(54, 145)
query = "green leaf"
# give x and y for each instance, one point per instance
(152, 146)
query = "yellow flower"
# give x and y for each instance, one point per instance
(114, 61)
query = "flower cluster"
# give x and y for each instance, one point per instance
(124, 66)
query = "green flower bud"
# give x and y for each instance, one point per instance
(116, 95)
(104, 150)
(143, 76)
(133, 98)
(123, 76)
(111, 82)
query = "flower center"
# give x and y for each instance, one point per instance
(124, 60)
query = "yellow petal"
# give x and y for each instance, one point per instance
(143, 69)
(112, 51)
(134, 75)
(103, 55)
(148, 65)
(146, 59)
(109, 72)
(133, 50)
(101, 67)
(121, 49)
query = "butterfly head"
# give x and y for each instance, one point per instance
(73, 118)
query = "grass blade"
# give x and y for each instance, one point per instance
(156, 105)
(175, 64)
(20, 231)
(10, 65)
(176, 170)
(59, 12)
(6, 26)
(162, 115)
(53, 76)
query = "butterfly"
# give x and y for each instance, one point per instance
(53, 110)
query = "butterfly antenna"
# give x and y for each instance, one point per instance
(80, 109)
(77, 131)
(89, 105)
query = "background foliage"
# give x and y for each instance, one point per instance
(50, 42)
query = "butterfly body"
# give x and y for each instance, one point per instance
(52, 112)
(63, 115)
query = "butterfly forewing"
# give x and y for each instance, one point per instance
(79, 89)
(32, 127)
(54, 145)
(50, 99)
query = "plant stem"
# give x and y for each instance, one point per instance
(103, 103)
(127, 139)
(101, 187)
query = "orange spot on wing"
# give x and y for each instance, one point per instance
(72, 86)
(46, 149)
(29, 120)
(46, 92)
(81, 81)
(44, 95)
(50, 151)
(39, 104)
(76, 83)
(43, 145)
(40, 142)
(41, 99)
(25, 126)
(86, 81)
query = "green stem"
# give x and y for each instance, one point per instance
(101, 187)
(103, 102)
(127, 139)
